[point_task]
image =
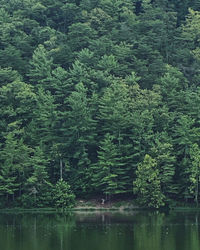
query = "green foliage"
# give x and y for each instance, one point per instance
(41, 66)
(62, 195)
(163, 153)
(147, 184)
(14, 163)
(108, 171)
(88, 88)
(194, 171)
(37, 185)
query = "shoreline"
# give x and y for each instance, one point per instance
(96, 206)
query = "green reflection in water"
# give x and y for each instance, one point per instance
(100, 231)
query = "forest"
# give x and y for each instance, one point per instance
(99, 98)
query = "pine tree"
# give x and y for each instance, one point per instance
(40, 67)
(79, 129)
(37, 185)
(163, 153)
(17, 101)
(194, 172)
(15, 164)
(108, 171)
(114, 110)
(7, 75)
(184, 135)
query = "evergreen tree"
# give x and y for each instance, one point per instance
(7, 75)
(108, 171)
(163, 153)
(40, 67)
(194, 172)
(185, 134)
(37, 185)
(15, 163)
(79, 129)
(74, 71)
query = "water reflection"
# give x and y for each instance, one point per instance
(100, 231)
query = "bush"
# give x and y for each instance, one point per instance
(63, 197)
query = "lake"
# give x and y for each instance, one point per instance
(101, 231)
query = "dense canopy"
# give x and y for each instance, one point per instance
(99, 98)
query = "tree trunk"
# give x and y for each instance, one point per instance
(197, 191)
(61, 169)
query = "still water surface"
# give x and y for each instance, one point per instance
(100, 231)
